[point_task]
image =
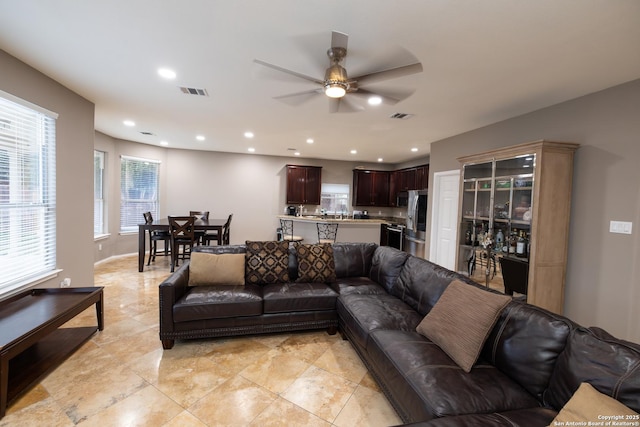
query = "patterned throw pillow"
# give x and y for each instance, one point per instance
(315, 263)
(267, 262)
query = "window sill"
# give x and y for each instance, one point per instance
(19, 287)
(101, 237)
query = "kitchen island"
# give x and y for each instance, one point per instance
(349, 230)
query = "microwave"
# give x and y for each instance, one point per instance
(402, 199)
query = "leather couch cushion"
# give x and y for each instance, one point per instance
(525, 344)
(353, 259)
(357, 285)
(461, 321)
(426, 383)
(589, 405)
(267, 262)
(218, 301)
(519, 418)
(315, 263)
(292, 297)
(362, 314)
(386, 265)
(611, 365)
(214, 269)
(421, 283)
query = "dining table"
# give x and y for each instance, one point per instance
(162, 224)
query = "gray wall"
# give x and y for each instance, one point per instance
(603, 277)
(74, 165)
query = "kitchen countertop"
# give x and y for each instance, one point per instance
(348, 220)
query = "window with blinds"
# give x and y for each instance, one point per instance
(27, 193)
(139, 180)
(98, 193)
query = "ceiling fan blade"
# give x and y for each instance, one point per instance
(298, 98)
(343, 105)
(366, 93)
(339, 39)
(306, 92)
(392, 73)
(293, 73)
(334, 105)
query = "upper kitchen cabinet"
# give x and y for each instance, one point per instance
(514, 219)
(422, 178)
(371, 188)
(304, 184)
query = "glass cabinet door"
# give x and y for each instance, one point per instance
(512, 205)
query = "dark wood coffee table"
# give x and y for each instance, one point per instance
(31, 340)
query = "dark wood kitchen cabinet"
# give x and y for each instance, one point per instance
(304, 184)
(422, 177)
(371, 188)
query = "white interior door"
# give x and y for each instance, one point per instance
(444, 224)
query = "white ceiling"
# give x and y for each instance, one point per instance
(484, 61)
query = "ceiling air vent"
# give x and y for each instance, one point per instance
(194, 91)
(401, 116)
(146, 133)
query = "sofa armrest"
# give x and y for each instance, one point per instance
(170, 291)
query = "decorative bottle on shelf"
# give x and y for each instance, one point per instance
(499, 239)
(521, 246)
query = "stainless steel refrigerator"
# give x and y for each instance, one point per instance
(416, 231)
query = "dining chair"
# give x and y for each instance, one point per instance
(212, 235)
(201, 215)
(182, 236)
(287, 231)
(154, 237)
(327, 232)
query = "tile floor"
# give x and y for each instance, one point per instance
(122, 377)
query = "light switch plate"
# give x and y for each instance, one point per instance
(621, 227)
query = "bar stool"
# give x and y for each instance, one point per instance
(287, 231)
(327, 232)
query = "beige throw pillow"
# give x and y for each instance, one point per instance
(461, 320)
(589, 405)
(216, 269)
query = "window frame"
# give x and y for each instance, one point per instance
(28, 249)
(137, 198)
(99, 200)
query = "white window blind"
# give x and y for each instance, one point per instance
(334, 198)
(139, 180)
(98, 193)
(27, 193)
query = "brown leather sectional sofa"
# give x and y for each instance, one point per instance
(531, 364)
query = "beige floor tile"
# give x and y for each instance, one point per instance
(43, 413)
(91, 394)
(341, 359)
(236, 354)
(308, 346)
(31, 397)
(275, 371)
(367, 408)
(320, 392)
(146, 407)
(286, 414)
(235, 403)
(184, 419)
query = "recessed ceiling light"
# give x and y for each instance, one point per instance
(414, 149)
(374, 100)
(164, 143)
(129, 123)
(380, 159)
(166, 73)
(200, 137)
(297, 153)
(309, 140)
(248, 134)
(251, 150)
(354, 151)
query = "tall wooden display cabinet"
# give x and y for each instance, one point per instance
(514, 210)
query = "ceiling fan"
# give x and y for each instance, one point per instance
(336, 84)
